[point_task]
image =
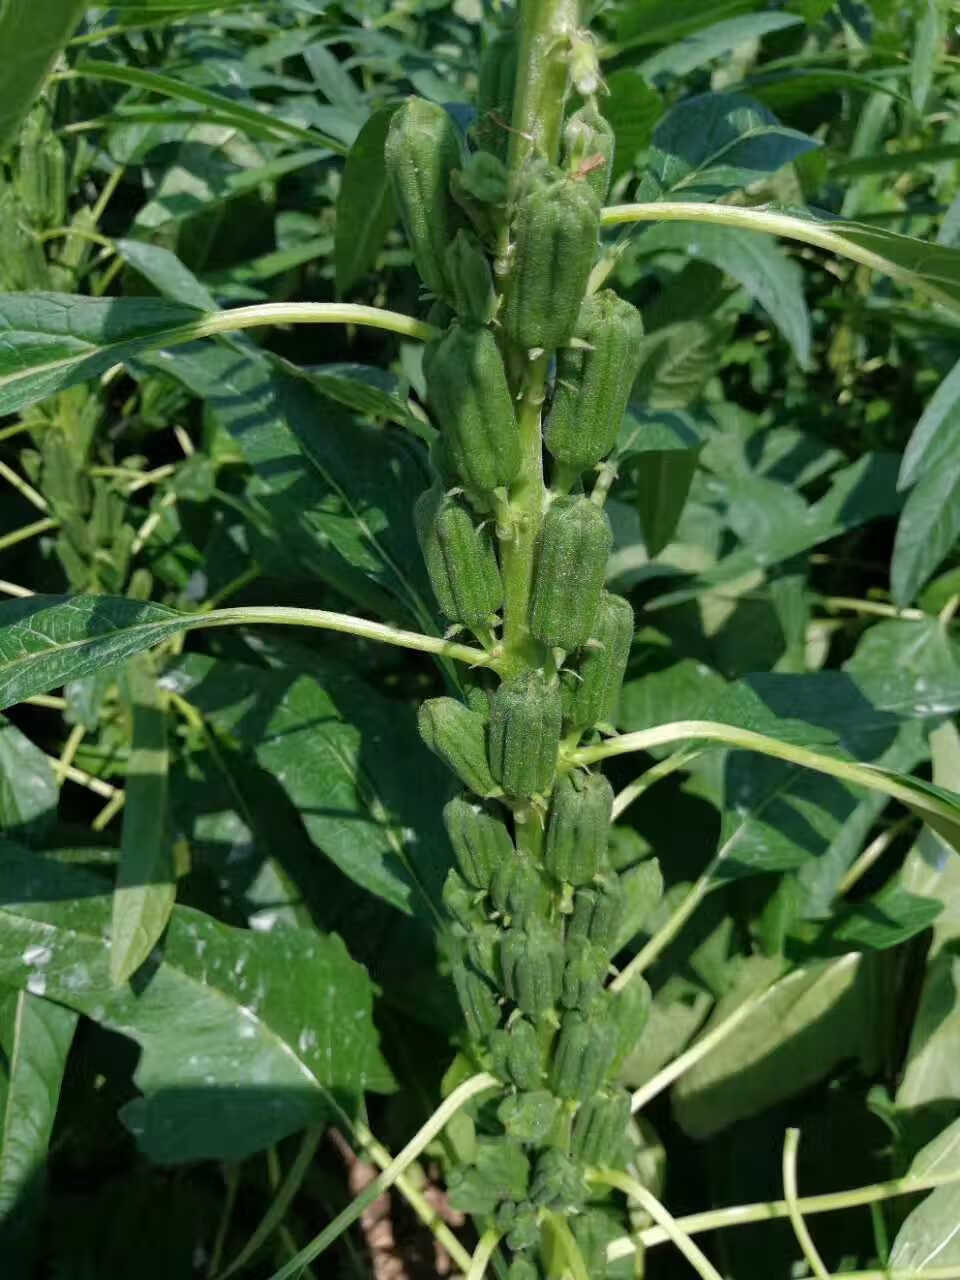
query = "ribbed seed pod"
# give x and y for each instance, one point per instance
(477, 1000)
(471, 280)
(588, 143)
(518, 890)
(462, 902)
(591, 693)
(554, 247)
(495, 91)
(579, 824)
(516, 1055)
(421, 151)
(630, 1009)
(529, 1117)
(483, 949)
(531, 965)
(584, 1052)
(598, 913)
(600, 1127)
(574, 546)
(459, 737)
(525, 722)
(557, 1182)
(467, 389)
(481, 842)
(583, 974)
(594, 382)
(460, 558)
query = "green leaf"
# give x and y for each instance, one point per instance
(800, 1030)
(658, 484)
(145, 890)
(763, 269)
(929, 1238)
(701, 47)
(35, 1038)
(712, 144)
(927, 531)
(258, 124)
(31, 38)
(633, 109)
(350, 762)
(29, 794)
(644, 22)
(932, 442)
(245, 1037)
(365, 204)
(929, 44)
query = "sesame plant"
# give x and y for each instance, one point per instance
(531, 524)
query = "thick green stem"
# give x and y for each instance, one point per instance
(518, 546)
(545, 30)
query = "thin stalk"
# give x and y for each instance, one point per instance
(571, 1250)
(633, 791)
(14, 589)
(27, 531)
(231, 1177)
(69, 752)
(79, 233)
(23, 488)
(477, 1084)
(109, 811)
(875, 608)
(818, 234)
(745, 1215)
(872, 854)
(804, 1239)
(482, 1254)
(692, 1252)
(83, 779)
(47, 700)
(106, 194)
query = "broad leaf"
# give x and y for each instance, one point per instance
(701, 47)
(145, 889)
(28, 789)
(365, 205)
(932, 442)
(31, 37)
(929, 46)
(927, 531)
(35, 1038)
(245, 1037)
(930, 1237)
(633, 109)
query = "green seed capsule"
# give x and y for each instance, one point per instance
(471, 281)
(594, 382)
(458, 736)
(529, 1117)
(557, 1182)
(460, 558)
(523, 1268)
(516, 1055)
(630, 1009)
(591, 693)
(531, 965)
(421, 152)
(588, 143)
(576, 843)
(574, 546)
(600, 1127)
(554, 246)
(467, 389)
(480, 841)
(500, 1171)
(462, 902)
(583, 974)
(518, 890)
(483, 949)
(478, 1001)
(584, 1052)
(495, 93)
(598, 913)
(525, 721)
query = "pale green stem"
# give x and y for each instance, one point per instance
(14, 589)
(872, 854)
(79, 233)
(25, 490)
(571, 1250)
(771, 1210)
(774, 224)
(648, 1201)
(27, 531)
(482, 1255)
(231, 1177)
(47, 700)
(804, 1239)
(459, 1098)
(877, 608)
(679, 760)
(281, 1201)
(860, 775)
(295, 617)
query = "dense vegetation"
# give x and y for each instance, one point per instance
(326, 542)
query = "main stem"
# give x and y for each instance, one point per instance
(545, 27)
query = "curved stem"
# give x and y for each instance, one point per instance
(769, 223)
(569, 1246)
(692, 1252)
(295, 617)
(479, 1083)
(266, 313)
(744, 1215)
(804, 1239)
(679, 760)
(482, 1254)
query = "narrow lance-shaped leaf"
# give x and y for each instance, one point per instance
(930, 1237)
(245, 1037)
(35, 1038)
(145, 889)
(31, 36)
(365, 204)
